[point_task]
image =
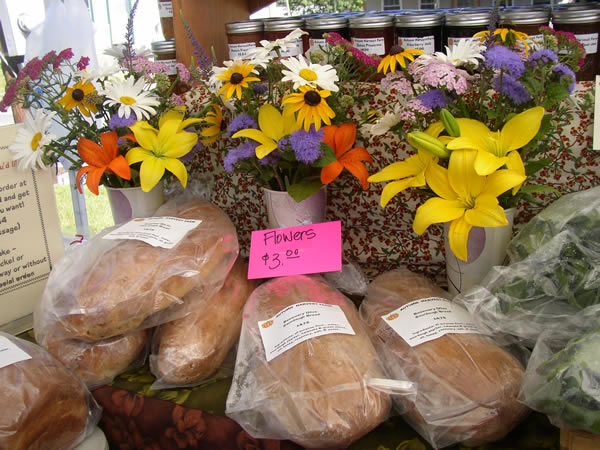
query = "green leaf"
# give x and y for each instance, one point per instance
(301, 191)
(538, 188)
(327, 158)
(535, 166)
(554, 94)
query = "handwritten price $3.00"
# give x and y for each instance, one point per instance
(275, 260)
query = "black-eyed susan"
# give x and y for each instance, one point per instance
(76, 97)
(507, 35)
(398, 55)
(215, 118)
(311, 107)
(236, 76)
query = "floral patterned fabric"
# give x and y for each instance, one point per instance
(378, 239)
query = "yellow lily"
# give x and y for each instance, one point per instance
(159, 149)
(466, 199)
(273, 126)
(498, 148)
(215, 118)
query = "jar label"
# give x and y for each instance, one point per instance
(293, 48)
(424, 43)
(317, 42)
(240, 51)
(370, 46)
(589, 41)
(165, 9)
(170, 63)
(456, 40)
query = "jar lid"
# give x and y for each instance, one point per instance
(283, 24)
(326, 22)
(576, 15)
(371, 21)
(524, 16)
(246, 26)
(468, 18)
(159, 47)
(419, 19)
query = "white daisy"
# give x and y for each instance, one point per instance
(116, 51)
(383, 125)
(260, 56)
(101, 72)
(131, 98)
(284, 43)
(303, 73)
(464, 52)
(31, 138)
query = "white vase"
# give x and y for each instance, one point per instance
(486, 247)
(283, 211)
(127, 203)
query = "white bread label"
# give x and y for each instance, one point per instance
(300, 322)
(10, 353)
(164, 231)
(427, 319)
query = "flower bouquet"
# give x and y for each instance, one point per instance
(119, 126)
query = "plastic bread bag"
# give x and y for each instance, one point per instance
(108, 287)
(43, 405)
(553, 273)
(100, 362)
(350, 280)
(312, 384)
(189, 350)
(467, 386)
(563, 373)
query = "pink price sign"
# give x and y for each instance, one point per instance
(296, 250)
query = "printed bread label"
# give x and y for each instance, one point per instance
(425, 43)
(240, 51)
(370, 46)
(301, 322)
(165, 9)
(10, 353)
(427, 319)
(165, 232)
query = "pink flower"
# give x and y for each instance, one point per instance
(184, 73)
(9, 95)
(176, 100)
(33, 68)
(396, 80)
(83, 63)
(67, 53)
(335, 39)
(440, 75)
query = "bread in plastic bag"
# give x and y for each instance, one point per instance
(99, 362)
(553, 271)
(191, 349)
(106, 288)
(43, 405)
(466, 385)
(563, 374)
(315, 393)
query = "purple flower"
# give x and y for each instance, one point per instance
(260, 88)
(242, 122)
(190, 155)
(542, 56)
(116, 121)
(500, 57)
(433, 98)
(512, 88)
(282, 144)
(307, 144)
(246, 150)
(564, 71)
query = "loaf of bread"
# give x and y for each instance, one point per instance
(99, 362)
(191, 349)
(467, 386)
(43, 405)
(315, 393)
(106, 288)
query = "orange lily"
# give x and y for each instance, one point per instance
(101, 158)
(341, 139)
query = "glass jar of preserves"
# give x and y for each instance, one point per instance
(584, 22)
(318, 26)
(243, 36)
(526, 20)
(421, 30)
(165, 13)
(372, 34)
(164, 51)
(280, 27)
(464, 23)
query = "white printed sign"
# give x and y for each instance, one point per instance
(425, 43)
(165, 9)
(165, 232)
(370, 46)
(589, 42)
(10, 353)
(240, 51)
(298, 323)
(427, 319)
